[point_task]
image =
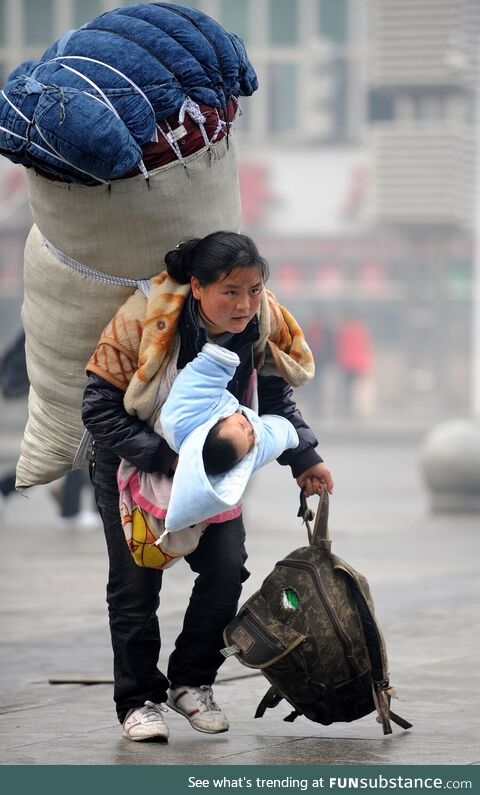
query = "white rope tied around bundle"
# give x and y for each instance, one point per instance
(112, 69)
(171, 141)
(192, 109)
(104, 100)
(52, 152)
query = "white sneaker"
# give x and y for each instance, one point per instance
(146, 724)
(198, 706)
(89, 520)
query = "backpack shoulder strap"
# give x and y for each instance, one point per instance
(270, 700)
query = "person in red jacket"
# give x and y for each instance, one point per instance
(354, 359)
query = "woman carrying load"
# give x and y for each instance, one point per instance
(213, 290)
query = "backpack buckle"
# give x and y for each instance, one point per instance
(229, 651)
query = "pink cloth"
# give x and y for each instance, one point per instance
(152, 493)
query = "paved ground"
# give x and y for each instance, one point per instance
(423, 571)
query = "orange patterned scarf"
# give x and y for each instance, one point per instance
(134, 348)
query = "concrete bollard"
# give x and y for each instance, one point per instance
(450, 463)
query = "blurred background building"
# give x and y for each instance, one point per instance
(357, 179)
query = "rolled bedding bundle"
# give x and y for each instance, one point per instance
(86, 108)
(112, 193)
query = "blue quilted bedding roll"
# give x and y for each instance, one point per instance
(86, 108)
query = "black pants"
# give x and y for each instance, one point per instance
(7, 484)
(133, 597)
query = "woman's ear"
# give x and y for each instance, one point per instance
(195, 285)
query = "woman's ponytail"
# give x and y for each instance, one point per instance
(214, 257)
(179, 261)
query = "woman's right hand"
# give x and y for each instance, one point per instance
(315, 478)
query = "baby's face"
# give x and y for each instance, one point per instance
(238, 429)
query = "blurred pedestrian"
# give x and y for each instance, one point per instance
(7, 486)
(67, 494)
(13, 369)
(354, 360)
(319, 336)
(14, 385)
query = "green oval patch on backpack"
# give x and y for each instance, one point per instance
(290, 599)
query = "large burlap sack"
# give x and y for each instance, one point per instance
(86, 249)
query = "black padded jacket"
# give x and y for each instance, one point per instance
(104, 415)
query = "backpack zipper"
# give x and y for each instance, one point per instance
(341, 634)
(271, 639)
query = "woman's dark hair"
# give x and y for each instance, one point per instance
(219, 454)
(211, 257)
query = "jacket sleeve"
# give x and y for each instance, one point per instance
(198, 392)
(278, 435)
(275, 396)
(104, 415)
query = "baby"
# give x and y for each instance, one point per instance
(220, 443)
(227, 443)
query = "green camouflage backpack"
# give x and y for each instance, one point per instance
(311, 631)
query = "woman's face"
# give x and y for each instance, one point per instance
(231, 301)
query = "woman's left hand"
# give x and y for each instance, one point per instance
(314, 478)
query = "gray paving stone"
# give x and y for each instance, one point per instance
(423, 571)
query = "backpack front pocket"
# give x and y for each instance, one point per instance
(259, 638)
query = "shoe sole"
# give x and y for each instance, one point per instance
(197, 728)
(157, 738)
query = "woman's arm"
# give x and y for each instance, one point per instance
(104, 415)
(276, 397)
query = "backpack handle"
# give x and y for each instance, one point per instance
(319, 536)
